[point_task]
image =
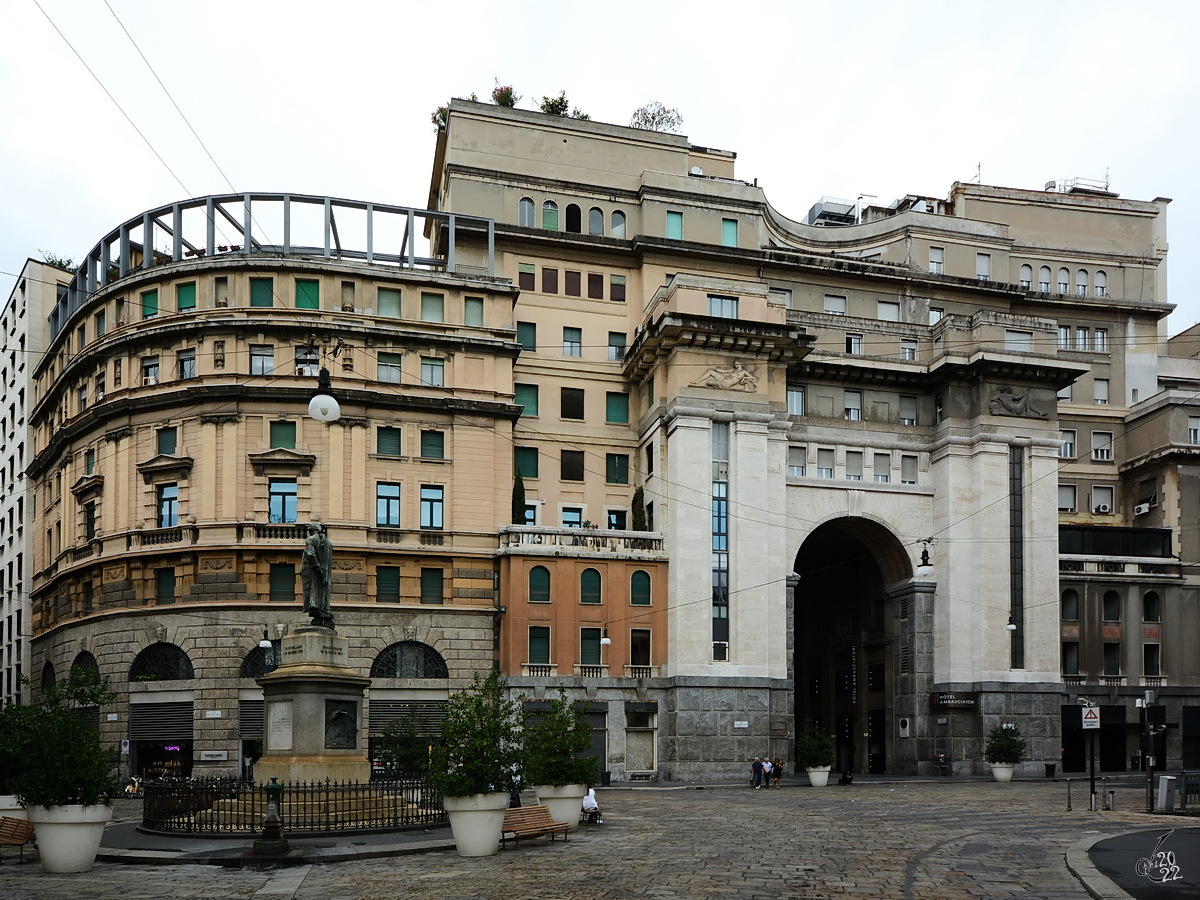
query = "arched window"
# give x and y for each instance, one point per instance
(550, 215)
(525, 218)
(409, 659)
(1026, 277)
(589, 586)
(574, 219)
(595, 220)
(1081, 282)
(1044, 279)
(618, 224)
(48, 676)
(260, 661)
(1112, 606)
(539, 585)
(85, 662)
(161, 662)
(1070, 605)
(1101, 284)
(639, 588)
(1151, 608)
(1064, 280)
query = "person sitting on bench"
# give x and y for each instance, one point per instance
(592, 808)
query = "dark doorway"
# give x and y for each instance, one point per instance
(1112, 739)
(1074, 749)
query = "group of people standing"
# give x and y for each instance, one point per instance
(764, 770)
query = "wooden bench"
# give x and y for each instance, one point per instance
(15, 833)
(529, 822)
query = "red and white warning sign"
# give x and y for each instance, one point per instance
(1091, 717)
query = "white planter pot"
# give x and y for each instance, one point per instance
(476, 822)
(565, 803)
(11, 807)
(68, 836)
(1002, 772)
(818, 776)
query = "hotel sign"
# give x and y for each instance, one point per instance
(965, 700)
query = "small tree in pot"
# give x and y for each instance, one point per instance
(552, 762)
(814, 752)
(1004, 749)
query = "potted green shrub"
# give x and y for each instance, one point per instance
(1004, 749)
(55, 765)
(814, 753)
(552, 763)
(476, 763)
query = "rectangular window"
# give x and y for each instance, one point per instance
(650, 516)
(185, 296)
(308, 362)
(854, 465)
(433, 444)
(1151, 660)
(1067, 450)
(936, 314)
(882, 467)
(89, 462)
(1081, 339)
(282, 501)
(618, 520)
(639, 646)
(164, 586)
(1102, 499)
(835, 306)
(1112, 659)
(83, 398)
(649, 459)
(616, 468)
(795, 400)
(1070, 657)
(1194, 429)
(527, 336)
(525, 461)
(616, 407)
(262, 359)
(526, 273)
(572, 342)
(616, 346)
(571, 465)
(387, 504)
(539, 645)
(549, 280)
(1064, 394)
(1100, 340)
(431, 507)
(526, 396)
(616, 288)
(722, 307)
(389, 367)
(887, 311)
(1151, 608)
(675, 226)
(1066, 498)
(1064, 337)
(473, 312)
(388, 300)
(308, 293)
(168, 505)
(89, 520)
(149, 304)
(908, 348)
(149, 371)
(572, 283)
(186, 363)
(572, 516)
(387, 584)
(824, 463)
(797, 457)
(387, 441)
(937, 260)
(983, 266)
(854, 344)
(908, 470)
(99, 385)
(1100, 391)
(99, 319)
(571, 400)
(595, 282)
(908, 410)
(283, 583)
(1018, 341)
(262, 292)
(167, 440)
(1102, 445)
(433, 586)
(589, 646)
(283, 435)
(729, 232)
(852, 406)
(433, 372)
(433, 308)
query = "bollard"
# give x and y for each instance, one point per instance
(1112, 801)
(1104, 791)
(1068, 795)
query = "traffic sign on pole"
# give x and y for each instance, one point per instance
(1091, 717)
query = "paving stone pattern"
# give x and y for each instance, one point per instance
(924, 840)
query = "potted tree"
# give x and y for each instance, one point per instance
(552, 763)
(476, 764)
(1004, 749)
(814, 753)
(59, 772)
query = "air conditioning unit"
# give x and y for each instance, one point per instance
(1103, 508)
(1141, 509)
(149, 380)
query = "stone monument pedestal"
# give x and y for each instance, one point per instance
(313, 712)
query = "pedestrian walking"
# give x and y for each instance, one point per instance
(757, 771)
(777, 771)
(767, 772)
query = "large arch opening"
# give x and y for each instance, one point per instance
(844, 666)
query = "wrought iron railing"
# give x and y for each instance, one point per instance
(218, 806)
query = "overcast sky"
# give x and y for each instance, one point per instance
(817, 98)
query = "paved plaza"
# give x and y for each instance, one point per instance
(923, 839)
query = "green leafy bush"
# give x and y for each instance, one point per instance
(553, 745)
(1005, 744)
(480, 748)
(814, 747)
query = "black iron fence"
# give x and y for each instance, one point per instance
(221, 806)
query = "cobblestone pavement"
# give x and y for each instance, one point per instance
(915, 840)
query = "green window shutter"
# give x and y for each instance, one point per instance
(675, 226)
(526, 395)
(473, 311)
(185, 296)
(589, 646)
(431, 585)
(550, 216)
(589, 586)
(389, 303)
(539, 644)
(526, 274)
(639, 589)
(283, 435)
(616, 407)
(262, 292)
(168, 440)
(387, 584)
(308, 294)
(616, 468)
(527, 336)
(539, 585)
(387, 441)
(729, 232)
(164, 586)
(433, 308)
(433, 444)
(283, 582)
(525, 461)
(149, 304)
